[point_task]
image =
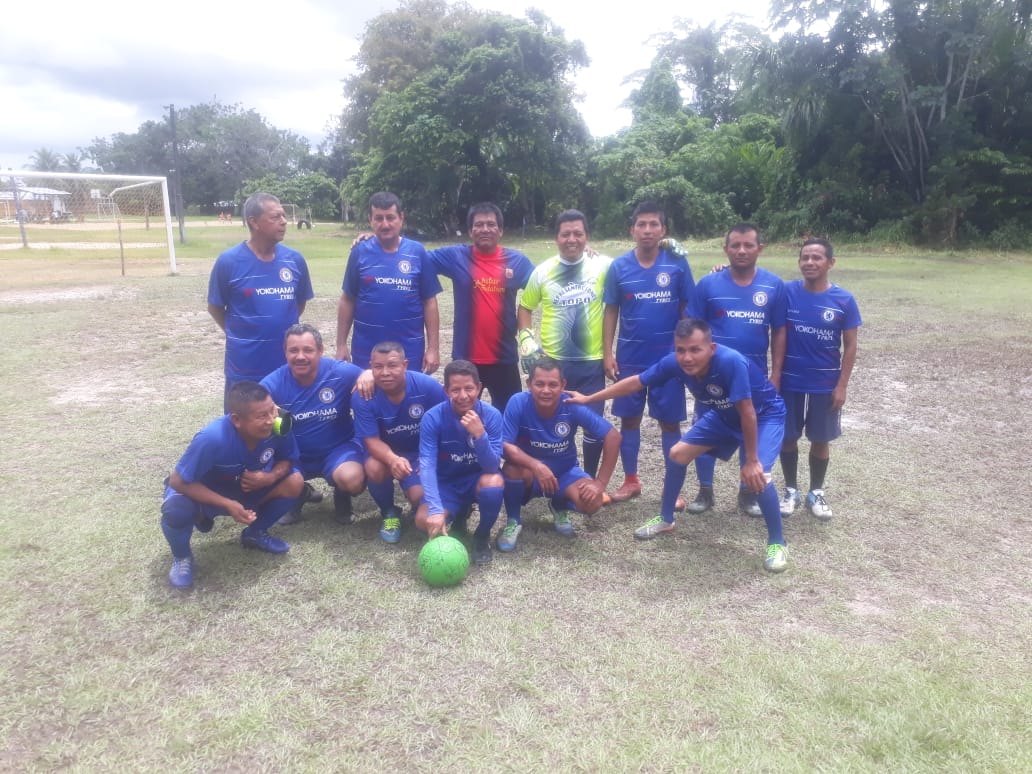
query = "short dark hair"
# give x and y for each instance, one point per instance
(688, 325)
(742, 228)
(484, 208)
(243, 394)
(648, 208)
(828, 249)
(460, 368)
(387, 347)
(384, 200)
(569, 216)
(546, 363)
(300, 329)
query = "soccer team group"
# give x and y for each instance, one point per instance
(373, 415)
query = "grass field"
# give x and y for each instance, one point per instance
(898, 640)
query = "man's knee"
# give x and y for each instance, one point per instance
(178, 511)
(349, 477)
(376, 471)
(292, 485)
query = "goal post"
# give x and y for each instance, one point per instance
(115, 214)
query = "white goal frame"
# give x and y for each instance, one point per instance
(120, 183)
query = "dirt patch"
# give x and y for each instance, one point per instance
(66, 294)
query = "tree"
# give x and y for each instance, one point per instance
(220, 146)
(452, 106)
(45, 160)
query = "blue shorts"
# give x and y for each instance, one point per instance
(710, 430)
(457, 493)
(412, 479)
(586, 377)
(814, 412)
(250, 500)
(349, 451)
(566, 480)
(666, 401)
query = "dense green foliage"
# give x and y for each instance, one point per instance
(889, 120)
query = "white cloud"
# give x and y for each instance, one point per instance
(91, 70)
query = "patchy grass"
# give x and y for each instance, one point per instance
(895, 642)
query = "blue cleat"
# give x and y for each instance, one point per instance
(263, 541)
(181, 574)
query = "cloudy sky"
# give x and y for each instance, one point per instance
(72, 71)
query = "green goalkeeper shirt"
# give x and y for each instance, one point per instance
(570, 297)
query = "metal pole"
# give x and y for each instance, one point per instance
(176, 182)
(19, 214)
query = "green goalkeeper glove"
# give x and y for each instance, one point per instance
(674, 246)
(528, 348)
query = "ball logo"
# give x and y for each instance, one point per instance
(714, 390)
(828, 315)
(404, 266)
(266, 456)
(662, 279)
(415, 411)
(286, 275)
(508, 273)
(326, 395)
(562, 429)
(760, 298)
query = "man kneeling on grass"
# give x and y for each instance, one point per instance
(538, 433)
(743, 412)
(234, 466)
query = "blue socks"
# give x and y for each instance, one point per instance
(630, 445)
(513, 497)
(490, 500)
(673, 478)
(768, 500)
(704, 467)
(382, 493)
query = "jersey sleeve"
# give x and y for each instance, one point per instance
(350, 286)
(852, 315)
(443, 260)
(199, 457)
(511, 420)
(304, 283)
(489, 446)
(218, 291)
(428, 447)
(593, 424)
(286, 449)
(739, 386)
(429, 285)
(531, 297)
(779, 311)
(521, 267)
(660, 372)
(611, 287)
(366, 425)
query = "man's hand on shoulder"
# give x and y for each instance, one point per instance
(362, 236)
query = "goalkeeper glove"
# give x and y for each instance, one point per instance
(674, 246)
(528, 348)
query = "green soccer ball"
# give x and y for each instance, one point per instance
(443, 561)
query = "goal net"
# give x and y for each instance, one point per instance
(123, 217)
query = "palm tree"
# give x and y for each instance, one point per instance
(45, 160)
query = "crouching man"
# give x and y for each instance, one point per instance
(234, 466)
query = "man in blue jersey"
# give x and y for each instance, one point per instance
(742, 413)
(316, 390)
(820, 351)
(569, 288)
(388, 424)
(389, 292)
(485, 280)
(742, 306)
(645, 293)
(234, 466)
(256, 291)
(538, 432)
(460, 450)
